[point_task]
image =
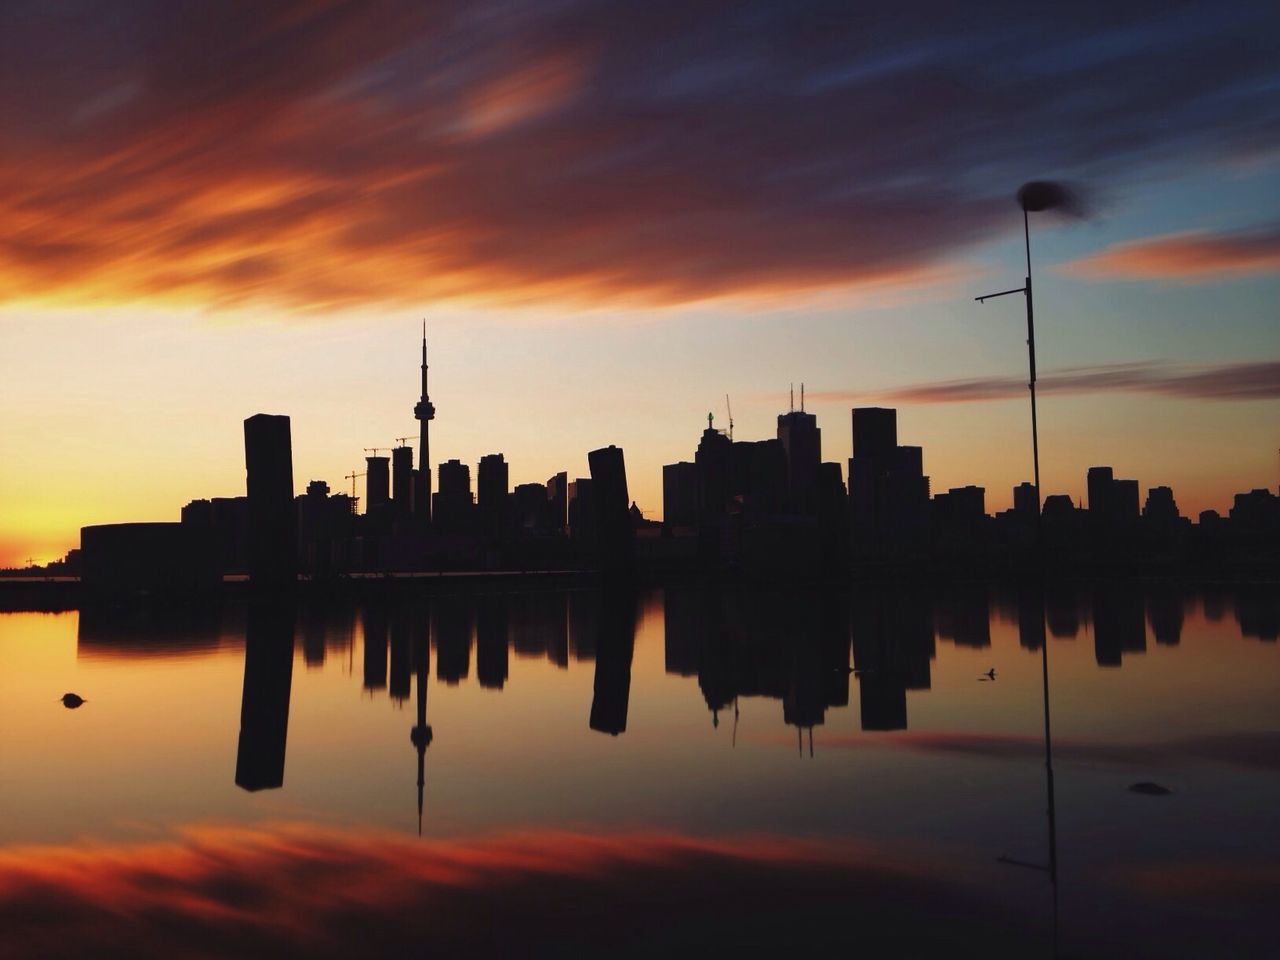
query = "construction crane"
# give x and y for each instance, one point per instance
(402, 441)
(730, 410)
(352, 476)
(374, 450)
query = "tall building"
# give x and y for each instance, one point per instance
(615, 535)
(1025, 501)
(715, 467)
(377, 483)
(452, 508)
(875, 431)
(273, 535)
(582, 510)
(802, 446)
(557, 502)
(402, 480)
(680, 494)
(424, 411)
(1101, 498)
(492, 485)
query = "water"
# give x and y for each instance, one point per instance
(670, 770)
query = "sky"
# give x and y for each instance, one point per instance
(611, 216)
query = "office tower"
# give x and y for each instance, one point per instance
(1124, 500)
(1101, 498)
(528, 506)
(273, 541)
(402, 480)
(680, 494)
(802, 447)
(492, 486)
(616, 537)
(424, 412)
(759, 476)
(714, 459)
(451, 511)
(875, 438)
(581, 511)
(377, 483)
(875, 431)
(1025, 501)
(264, 701)
(1160, 506)
(557, 502)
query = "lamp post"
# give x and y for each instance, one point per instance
(1033, 197)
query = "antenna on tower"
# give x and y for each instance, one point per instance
(729, 408)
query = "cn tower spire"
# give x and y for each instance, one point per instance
(424, 411)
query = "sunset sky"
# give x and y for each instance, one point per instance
(610, 216)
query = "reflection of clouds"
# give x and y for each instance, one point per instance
(1256, 750)
(324, 892)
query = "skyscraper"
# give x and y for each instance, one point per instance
(424, 411)
(802, 444)
(402, 480)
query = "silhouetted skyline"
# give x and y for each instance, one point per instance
(613, 280)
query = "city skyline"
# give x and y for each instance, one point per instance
(603, 248)
(1245, 383)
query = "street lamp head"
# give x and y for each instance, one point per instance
(1037, 195)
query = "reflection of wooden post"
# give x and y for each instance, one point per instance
(273, 539)
(264, 704)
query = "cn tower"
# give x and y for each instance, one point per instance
(424, 412)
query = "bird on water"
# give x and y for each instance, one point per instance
(989, 675)
(72, 700)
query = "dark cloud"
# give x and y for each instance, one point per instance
(1227, 381)
(336, 153)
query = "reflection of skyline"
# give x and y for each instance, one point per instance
(794, 647)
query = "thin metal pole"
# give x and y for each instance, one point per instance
(1031, 358)
(1044, 639)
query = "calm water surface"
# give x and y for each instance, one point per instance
(541, 772)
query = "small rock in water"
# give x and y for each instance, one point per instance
(1150, 789)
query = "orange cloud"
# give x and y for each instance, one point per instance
(319, 156)
(1188, 257)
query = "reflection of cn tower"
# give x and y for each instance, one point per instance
(420, 735)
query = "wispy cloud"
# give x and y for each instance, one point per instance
(1227, 381)
(1186, 257)
(319, 156)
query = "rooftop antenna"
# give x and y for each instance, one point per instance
(730, 409)
(793, 398)
(802, 396)
(710, 418)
